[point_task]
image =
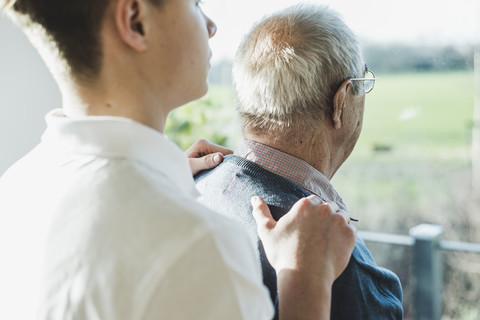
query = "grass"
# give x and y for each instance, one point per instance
(419, 116)
(423, 122)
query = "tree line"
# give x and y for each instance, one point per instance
(406, 58)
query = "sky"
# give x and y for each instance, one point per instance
(385, 21)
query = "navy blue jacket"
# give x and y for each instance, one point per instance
(363, 290)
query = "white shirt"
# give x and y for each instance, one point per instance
(100, 221)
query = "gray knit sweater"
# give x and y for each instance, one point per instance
(363, 290)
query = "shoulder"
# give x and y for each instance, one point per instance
(116, 223)
(236, 180)
(155, 241)
(129, 192)
(363, 280)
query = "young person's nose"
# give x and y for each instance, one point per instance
(211, 26)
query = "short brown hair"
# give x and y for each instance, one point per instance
(72, 25)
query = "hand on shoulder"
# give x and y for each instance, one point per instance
(309, 248)
(204, 155)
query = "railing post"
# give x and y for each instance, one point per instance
(428, 271)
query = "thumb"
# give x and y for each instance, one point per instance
(262, 215)
(206, 162)
(211, 160)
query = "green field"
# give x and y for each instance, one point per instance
(420, 116)
(415, 145)
(411, 165)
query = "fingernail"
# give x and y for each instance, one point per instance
(217, 158)
(316, 200)
(255, 201)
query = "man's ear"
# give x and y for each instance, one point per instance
(131, 24)
(339, 102)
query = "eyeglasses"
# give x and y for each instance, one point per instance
(368, 80)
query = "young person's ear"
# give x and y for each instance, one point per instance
(131, 23)
(339, 102)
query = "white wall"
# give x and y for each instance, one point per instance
(27, 93)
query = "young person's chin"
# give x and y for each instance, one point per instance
(202, 91)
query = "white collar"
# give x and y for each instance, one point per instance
(117, 137)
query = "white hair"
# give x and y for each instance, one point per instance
(289, 66)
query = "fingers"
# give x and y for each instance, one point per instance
(263, 217)
(204, 163)
(217, 148)
(312, 204)
(315, 199)
(333, 208)
(204, 155)
(344, 214)
(204, 147)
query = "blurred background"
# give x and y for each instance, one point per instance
(416, 160)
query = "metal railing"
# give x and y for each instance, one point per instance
(425, 239)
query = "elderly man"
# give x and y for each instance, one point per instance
(300, 82)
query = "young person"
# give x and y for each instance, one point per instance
(99, 221)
